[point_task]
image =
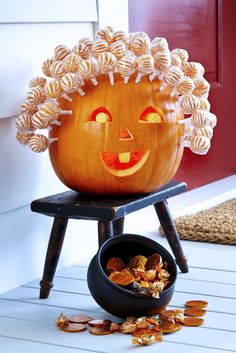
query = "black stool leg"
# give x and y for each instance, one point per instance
(105, 231)
(118, 226)
(171, 234)
(53, 253)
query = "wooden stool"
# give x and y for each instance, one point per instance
(110, 215)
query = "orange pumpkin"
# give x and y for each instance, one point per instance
(120, 139)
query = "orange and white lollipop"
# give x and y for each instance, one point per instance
(58, 69)
(189, 104)
(39, 123)
(24, 137)
(193, 69)
(202, 87)
(82, 50)
(120, 36)
(24, 122)
(139, 45)
(87, 41)
(36, 95)
(186, 86)
(126, 67)
(53, 90)
(204, 104)
(175, 60)
(39, 143)
(50, 111)
(198, 144)
(37, 81)
(213, 120)
(145, 66)
(118, 49)
(72, 62)
(46, 67)
(99, 46)
(105, 34)
(206, 131)
(107, 63)
(182, 54)
(172, 76)
(28, 108)
(199, 119)
(162, 62)
(61, 51)
(159, 44)
(72, 82)
(88, 70)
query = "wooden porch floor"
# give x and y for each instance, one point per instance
(27, 323)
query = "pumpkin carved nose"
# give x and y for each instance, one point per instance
(126, 135)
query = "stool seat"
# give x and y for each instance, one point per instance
(109, 212)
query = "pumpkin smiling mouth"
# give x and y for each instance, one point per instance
(125, 163)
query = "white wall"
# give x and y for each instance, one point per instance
(29, 31)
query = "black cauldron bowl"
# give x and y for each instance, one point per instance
(117, 300)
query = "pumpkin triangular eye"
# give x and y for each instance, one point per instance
(101, 115)
(152, 115)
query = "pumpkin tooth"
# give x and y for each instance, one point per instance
(124, 157)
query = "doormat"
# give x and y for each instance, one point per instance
(215, 225)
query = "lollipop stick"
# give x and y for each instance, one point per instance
(111, 78)
(152, 76)
(163, 86)
(56, 122)
(138, 78)
(126, 79)
(65, 112)
(52, 139)
(174, 92)
(94, 81)
(65, 96)
(81, 92)
(186, 144)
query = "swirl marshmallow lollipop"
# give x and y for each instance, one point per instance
(120, 36)
(126, 67)
(162, 61)
(202, 87)
(139, 45)
(39, 123)
(36, 95)
(39, 143)
(193, 69)
(199, 119)
(87, 41)
(28, 108)
(88, 70)
(24, 137)
(105, 34)
(99, 46)
(206, 131)
(159, 44)
(61, 51)
(198, 144)
(145, 65)
(182, 54)
(37, 82)
(173, 76)
(58, 69)
(175, 60)
(189, 104)
(204, 104)
(53, 90)
(24, 122)
(82, 50)
(46, 67)
(71, 82)
(186, 86)
(118, 49)
(107, 63)
(49, 112)
(72, 62)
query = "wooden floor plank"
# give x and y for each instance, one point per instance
(48, 333)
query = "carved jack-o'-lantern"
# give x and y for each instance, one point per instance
(120, 139)
(115, 112)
